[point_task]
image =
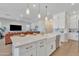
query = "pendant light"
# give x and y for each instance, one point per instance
(39, 16)
(34, 5)
(27, 10)
(46, 18)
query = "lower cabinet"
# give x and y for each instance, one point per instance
(32, 52)
(42, 47)
(28, 50)
(51, 46)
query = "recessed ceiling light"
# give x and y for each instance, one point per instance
(34, 5)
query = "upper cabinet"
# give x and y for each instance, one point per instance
(74, 22)
(60, 20)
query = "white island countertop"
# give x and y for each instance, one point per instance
(19, 41)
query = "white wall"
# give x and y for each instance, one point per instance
(40, 24)
(7, 23)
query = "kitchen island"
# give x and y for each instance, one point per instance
(35, 45)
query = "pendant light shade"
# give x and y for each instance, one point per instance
(46, 18)
(27, 10)
(39, 15)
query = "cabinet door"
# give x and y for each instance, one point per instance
(28, 50)
(54, 45)
(59, 20)
(24, 51)
(51, 45)
(41, 48)
(74, 23)
(32, 52)
(49, 48)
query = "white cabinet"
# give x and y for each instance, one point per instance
(59, 20)
(73, 22)
(62, 38)
(49, 48)
(51, 45)
(73, 36)
(15, 51)
(41, 48)
(28, 50)
(32, 52)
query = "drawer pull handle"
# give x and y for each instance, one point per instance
(30, 47)
(31, 55)
(41, 42)
(42, 46)
(27, 48)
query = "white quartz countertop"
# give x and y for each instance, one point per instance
(19, 41)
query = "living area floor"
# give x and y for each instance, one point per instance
(5, 50)
(69, 48)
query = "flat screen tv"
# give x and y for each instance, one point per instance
(15, 27)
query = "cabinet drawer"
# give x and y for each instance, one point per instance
(24, 53)
(41, 42)
(26, 48)
(41, 48)
(51, 47)
(31, 52)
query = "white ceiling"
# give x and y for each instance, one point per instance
(17, 11)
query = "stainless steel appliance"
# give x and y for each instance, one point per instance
(57, 41)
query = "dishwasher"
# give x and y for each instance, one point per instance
(57, 41)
